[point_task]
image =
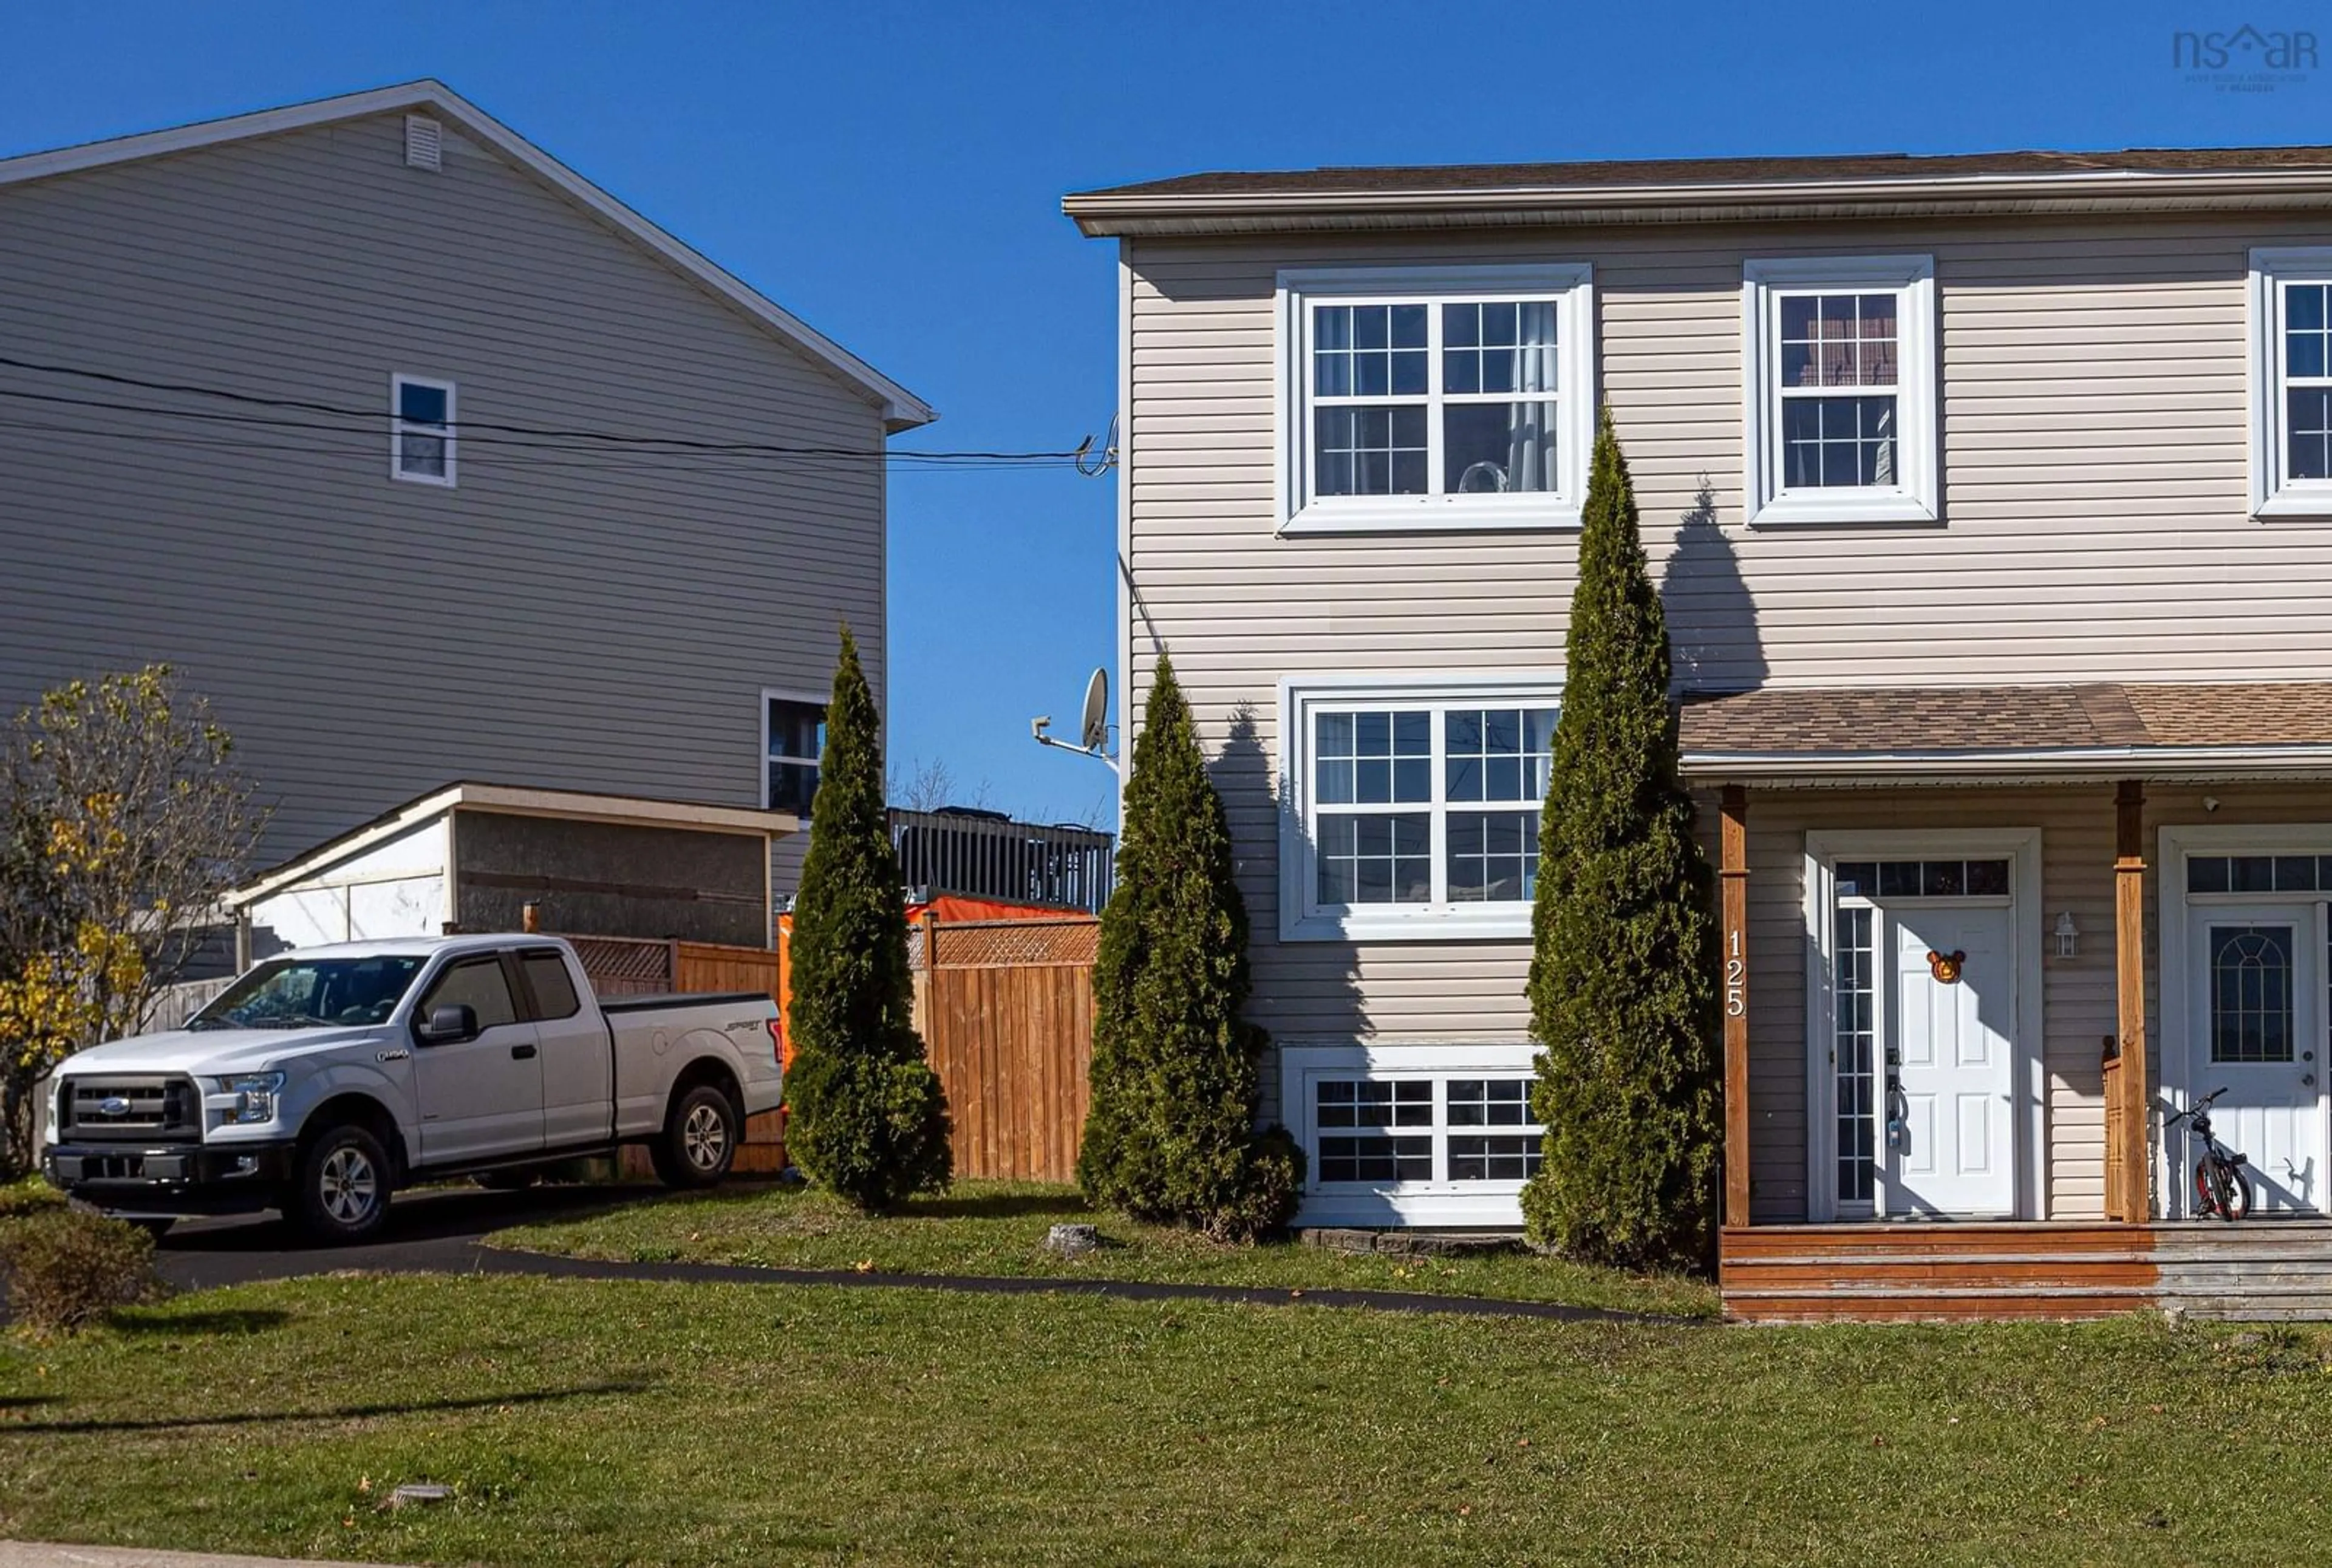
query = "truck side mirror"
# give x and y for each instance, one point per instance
(448, 1024)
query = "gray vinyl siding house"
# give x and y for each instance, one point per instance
(2093, 562)
(570, 613)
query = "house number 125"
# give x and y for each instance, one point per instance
(1736, 977)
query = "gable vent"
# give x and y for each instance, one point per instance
(423, 137)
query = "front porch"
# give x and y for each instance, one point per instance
(1932, 1271)
(1959, 995)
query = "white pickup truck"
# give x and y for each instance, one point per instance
(326, 1078)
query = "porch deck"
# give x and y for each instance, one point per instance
(1958, 1271)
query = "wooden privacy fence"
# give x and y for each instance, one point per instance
(624, 966)
(1005, 1007)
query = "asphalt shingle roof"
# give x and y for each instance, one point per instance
(1784, 720)
(1703, 171)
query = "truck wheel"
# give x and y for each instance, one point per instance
(343, 1191)
(699, 1140)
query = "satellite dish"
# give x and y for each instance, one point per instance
(1093, 730)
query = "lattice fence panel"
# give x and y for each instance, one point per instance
(620, 966)
(1009, 944)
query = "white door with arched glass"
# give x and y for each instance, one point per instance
(2256, 998)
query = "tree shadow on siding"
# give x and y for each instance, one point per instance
(1712, 617)
(1305, 992)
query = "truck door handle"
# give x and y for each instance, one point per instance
(521, 1052)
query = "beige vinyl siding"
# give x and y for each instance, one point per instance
(2093, 415)
(571, 620)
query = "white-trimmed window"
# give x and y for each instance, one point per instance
(1413, 1133)
(2291, 382)
(793, 739)
(1414, 803)
(421, 430)
(1840, 354)
(1414, 398)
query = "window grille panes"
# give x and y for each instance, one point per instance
(2250, 993)
(1498, 753)
(1478, 1159)
(1436, 803)
(1494, 754)
(1832, 342)
(1489, 1102)
(1371, 451)
(1854, 1036)
(1368, 350)
(1374, 758)
(1498, 347)
(1832, 442)
(1376, 859)
(1895, 879)
(1374, 1102)
(1492, 857)
(1377, 352)
(1376, 1158)
(1491, 440)
(2258, 874)
(1987, 878)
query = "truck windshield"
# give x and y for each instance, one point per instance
(294, 993)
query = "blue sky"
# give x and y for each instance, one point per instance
(893, 173)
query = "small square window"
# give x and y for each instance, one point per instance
(2207, 873)
(422, 432)
(793, 745)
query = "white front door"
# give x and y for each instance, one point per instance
(2256, 988)
(1948, 1133)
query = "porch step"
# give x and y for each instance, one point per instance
(2263, 1270)
(1932, 1308)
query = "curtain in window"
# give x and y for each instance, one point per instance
(1530, 435)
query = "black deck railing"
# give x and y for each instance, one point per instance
(987, 854)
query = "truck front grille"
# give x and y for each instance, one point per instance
(144, 1109)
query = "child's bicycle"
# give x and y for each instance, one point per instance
(2220, 1188)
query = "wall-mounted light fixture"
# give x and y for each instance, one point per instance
(2068, 935)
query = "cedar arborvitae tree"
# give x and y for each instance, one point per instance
(867, 1115)
(1622, 981)
(1169, 1134)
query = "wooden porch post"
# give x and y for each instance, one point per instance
(1733, 881)
(2129, 1179)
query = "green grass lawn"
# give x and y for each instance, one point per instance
(590, 1422)
(997, 1228)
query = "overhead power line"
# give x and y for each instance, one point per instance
(319, 417)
